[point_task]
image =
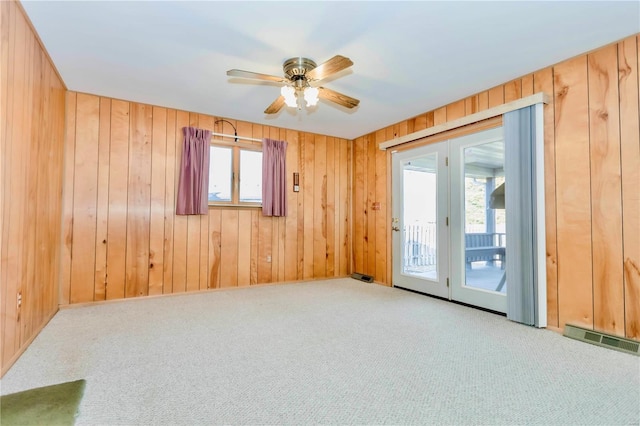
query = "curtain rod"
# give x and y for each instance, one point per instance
(235, 137)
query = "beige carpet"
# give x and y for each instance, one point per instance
(328, 352)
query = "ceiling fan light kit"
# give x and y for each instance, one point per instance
(300, 76)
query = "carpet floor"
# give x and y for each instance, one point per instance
(325, 352)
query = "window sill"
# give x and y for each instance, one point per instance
(235, 206)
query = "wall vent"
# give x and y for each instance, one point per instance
(602, 339)
(362, 277)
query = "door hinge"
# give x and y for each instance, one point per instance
(447, 220)
(446, 161)
(447, 282)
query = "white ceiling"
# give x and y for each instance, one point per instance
(409, 57)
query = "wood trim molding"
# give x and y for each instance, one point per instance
(469, 119)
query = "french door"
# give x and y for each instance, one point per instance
(448, 221)
(478, 231)
(419, 224)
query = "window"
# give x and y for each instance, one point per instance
(235, 175)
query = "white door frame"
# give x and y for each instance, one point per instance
(439, 286)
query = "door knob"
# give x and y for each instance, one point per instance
(395, 228)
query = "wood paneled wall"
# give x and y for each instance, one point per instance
(592, 186)
(31, 161)
(121, 235)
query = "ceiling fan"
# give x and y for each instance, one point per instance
(300, 78)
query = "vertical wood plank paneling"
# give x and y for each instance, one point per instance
(496, 96)
(20, 222)
(255, 241)
(13, 263)
(381, 197)
(193, 253)
(205, 122)
(48, 217)
(215, 229)
(139, 201)
(156, 218)
(291, 221)
(308, 204)
(439, 116)
(513, 90)
(575, 293)
(543, 82)
(31, 105)
(471, 105)
(419, 123)
(84, 201)
(527, 85)
(32, 139)
(169, 202)
(628, 64)
(38, 288)
(179, 221)
(357, 229)
(456, 110)
(5, 26)
(10, 89)
(118, 195)
(430, 119)
(193, 236)
(320, 207)
(331, 207)
(229, 253)
(67, 203)
(606, 188)
(338, 192)
(365, 205)
(244, 242)
(483, 101)
(257, 251)
(215, 225)
(277, 242)
(102, 206)
(346, 255)
(372, 150)
(265, 234)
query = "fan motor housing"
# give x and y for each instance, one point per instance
(296, 68)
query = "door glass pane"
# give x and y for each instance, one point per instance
(250, 176)
(485, 237)
(419, 237)
(220, 174)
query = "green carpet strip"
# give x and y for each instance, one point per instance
(49, 405)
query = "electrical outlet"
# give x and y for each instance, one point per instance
(269, 259)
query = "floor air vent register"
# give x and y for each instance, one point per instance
(601, 339)
(362, 277)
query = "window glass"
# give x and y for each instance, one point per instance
(250, 176)
(220, 176)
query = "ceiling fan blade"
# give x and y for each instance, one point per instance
(275, 106)
(339, 98)
(330, 67)
(255, 75)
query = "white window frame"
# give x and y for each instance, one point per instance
(236, 147)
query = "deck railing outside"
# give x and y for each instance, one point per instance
(419, 251)
(419, 246)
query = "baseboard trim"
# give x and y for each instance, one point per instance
(187, 293)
